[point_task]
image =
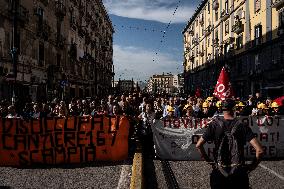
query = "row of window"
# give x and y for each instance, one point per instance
(240, 13)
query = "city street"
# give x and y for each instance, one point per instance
(94, 93)
(188, 174)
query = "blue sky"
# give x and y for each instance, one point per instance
(148, 36)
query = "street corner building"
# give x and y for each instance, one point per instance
(165, 84)
(64, 49)
(245, 36)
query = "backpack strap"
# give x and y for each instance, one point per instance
(236, 123)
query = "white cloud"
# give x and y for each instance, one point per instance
(137, 63)
(155, 10)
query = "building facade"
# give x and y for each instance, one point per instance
(178, 83)
(159, 84)
(126, 86)
(245, 36)
(64, 48)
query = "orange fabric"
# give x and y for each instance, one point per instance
(57, 141)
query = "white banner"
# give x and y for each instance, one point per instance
(176, 139)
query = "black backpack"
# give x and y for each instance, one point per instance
(228, 152)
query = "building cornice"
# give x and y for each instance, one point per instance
(100, 3)
(198, 10)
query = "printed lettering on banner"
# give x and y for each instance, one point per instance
(60, 140)
(176, 139)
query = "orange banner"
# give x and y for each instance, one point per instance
(63, 140)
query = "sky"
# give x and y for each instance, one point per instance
(148, 36)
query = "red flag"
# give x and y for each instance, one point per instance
(279, 101)
(223, 88)
(198, 92)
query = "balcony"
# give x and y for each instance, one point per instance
(208, 30)
(280, 31)
(187, 50)
(277, 3)
(93, 44)
(215, 42)
(224, 15)
(81, 31)
(73, 23)
(229, 40)
(60, 9)
(230, 53)
(105, 48)
(88, 18)
(191, 32)
(191, 57)
(60, 41)
(43, 30)
(81, 9)
(238, 27)
(195, 41)
(94, 25)
(201, 21)
(87, 39)
(215, 5)
(23, 14)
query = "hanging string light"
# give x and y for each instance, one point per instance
(162, 40)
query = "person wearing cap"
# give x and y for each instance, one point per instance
(219, 107)
(170, 112)
(216, 131)
(187, 110)
(205, 110)
(240, 109)
(262, 109)
(274, 109)
(171, 106)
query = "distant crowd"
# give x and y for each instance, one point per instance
(141, 106)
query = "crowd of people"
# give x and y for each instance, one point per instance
(135, 105)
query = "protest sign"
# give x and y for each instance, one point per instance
(176, 139)
(63, 140)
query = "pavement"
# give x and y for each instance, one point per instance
(189, 175)
(195, 175)
(95, 175)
